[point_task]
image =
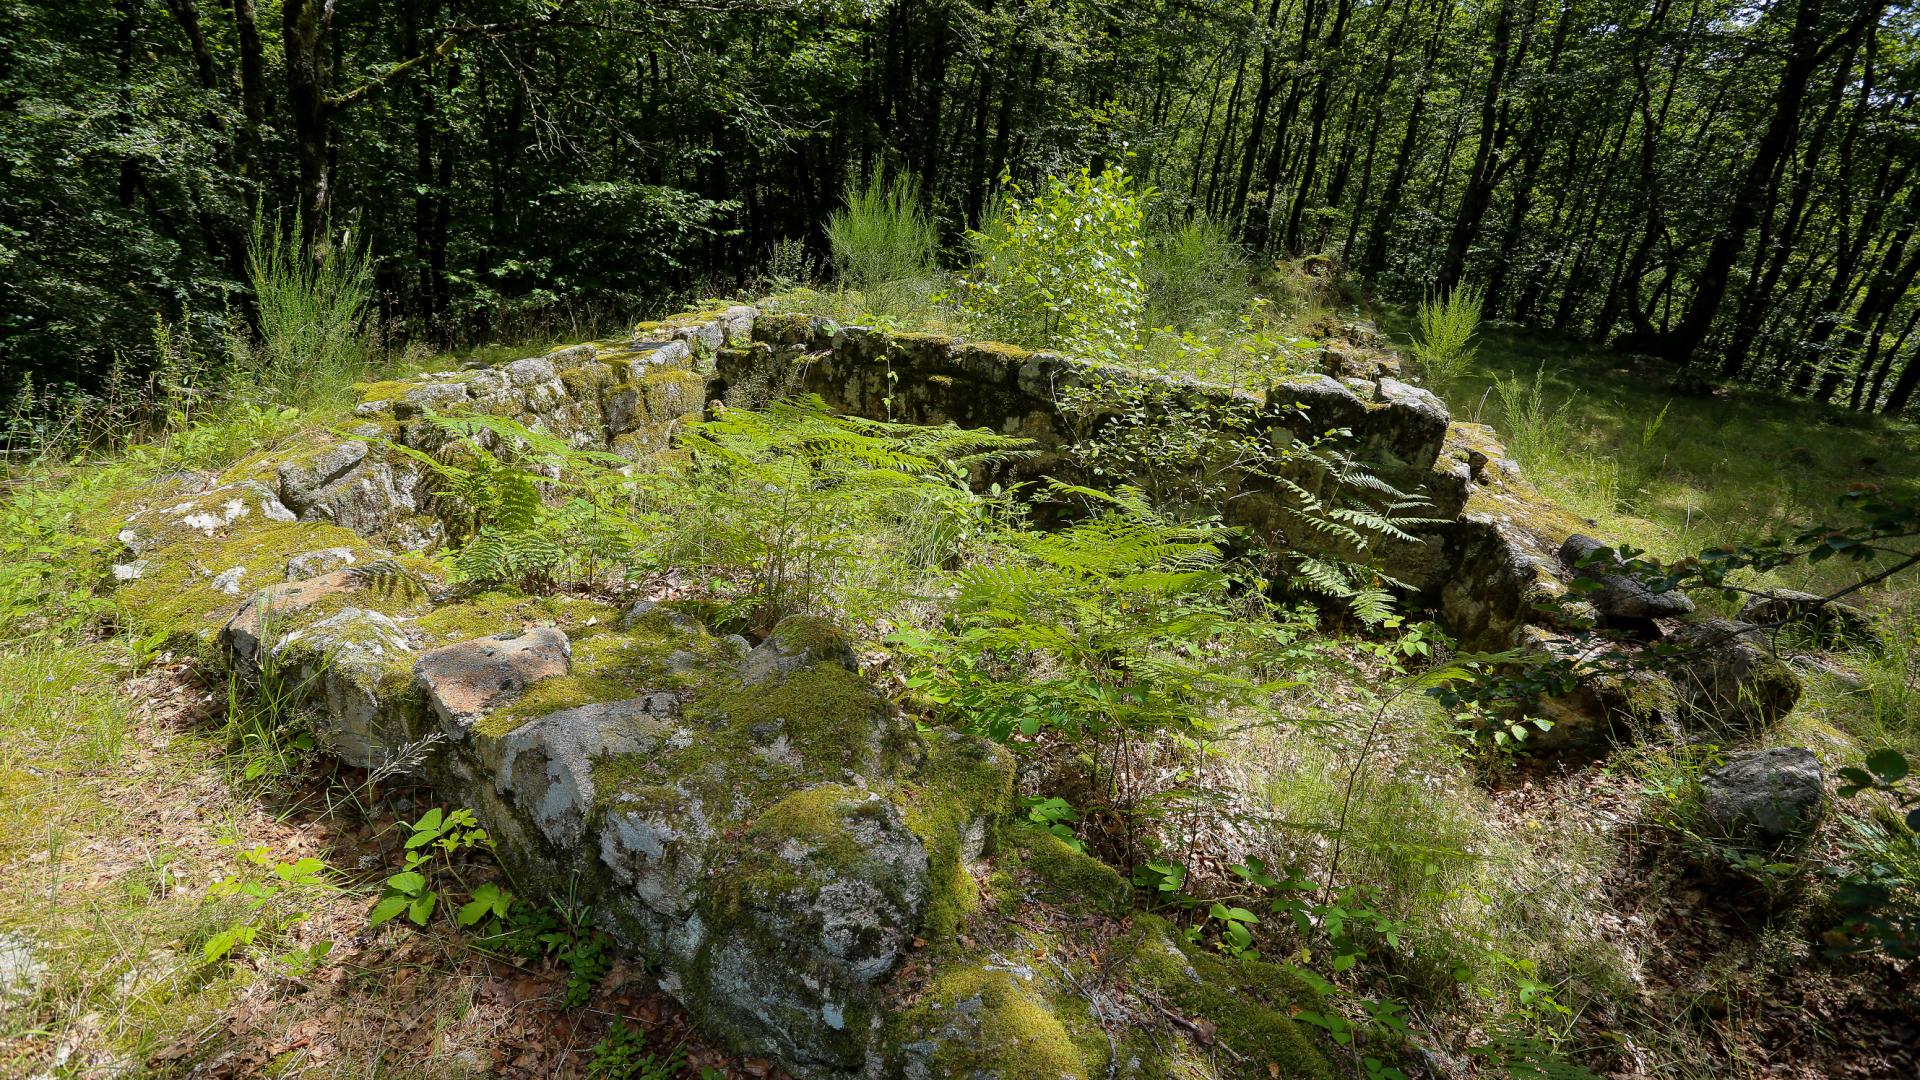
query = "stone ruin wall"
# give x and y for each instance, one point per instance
(754, 818)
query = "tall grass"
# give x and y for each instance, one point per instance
(1542, 436)
(882, 237)
(1196, 276)
(312, 307)
(1448, 323)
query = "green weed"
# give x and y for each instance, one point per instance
(1448, 323)
(311, 307)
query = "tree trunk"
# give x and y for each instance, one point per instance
(253, 96)
(1806, 51)
(1487, 170)
(304, 27)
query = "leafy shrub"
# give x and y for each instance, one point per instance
(1448, 322)
(1190, 454)
(431, 844)
(1122, 625)
(1878, 890)
(882, 236)
(564, 931)
(262, 887)
(623, 1055)
(1062, 268)
(789, 265)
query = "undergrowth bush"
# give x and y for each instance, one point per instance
(819, 513)
(1061, 267)
(1540, 434)
(1448, 322)
(312, 308)
(1195, 275)
(884, 247)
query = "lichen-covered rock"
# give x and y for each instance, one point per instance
(308, 564)
(264, 613)
(1826, 621)
(1618, 597)
(816, 903)
(463, 681)
(992, 1024)
(1729, 677)
(1415, 426)
(798, 641)
(546, 765)
(350, 485)
(302, 478)
(1041, 1012)
(1772, 798)
(21, 971)
(353, 657)
(225, 509)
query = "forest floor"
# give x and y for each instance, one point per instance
(125, 803)
(122, 802)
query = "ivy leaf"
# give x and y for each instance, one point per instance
(426, 828)
(1889, 764)
(387, 909)
(422, 908)
(407, 882)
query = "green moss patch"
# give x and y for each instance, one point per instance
(505, 610)
(1070, 878)
(992, 1023)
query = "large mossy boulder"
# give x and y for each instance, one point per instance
(1766, 799)
(1729, 677)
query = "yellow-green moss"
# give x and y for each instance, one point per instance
(1000, 349)
(1067, 877)
(613, 667)
(386, 390)
(175, 593)
(1249, 1001)
(826, 713)
(586, 380)
(964, 782)
(507, 611)
(995, 1026)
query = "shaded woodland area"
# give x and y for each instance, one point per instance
(1727, 187)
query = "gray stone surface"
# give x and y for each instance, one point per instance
(1417, 427)
(302, 479)
(351, 486)
(320, 561)
(1728, 677)
(346, 655)
(463, 681)
(798, 641)
(21, 971)
(834, 873)
(258, 616)
(546, 765)
(1772, 797)
(1828, 622)
(1618, 596)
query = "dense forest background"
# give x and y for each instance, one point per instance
(1729, 187)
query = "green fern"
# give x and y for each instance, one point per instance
(811, 512)
(522, 506)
